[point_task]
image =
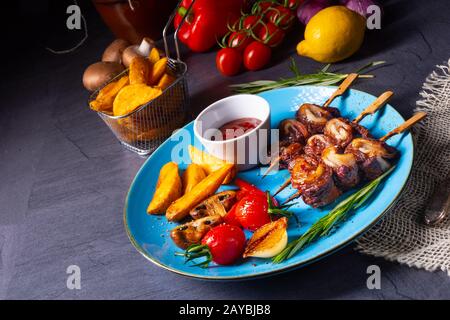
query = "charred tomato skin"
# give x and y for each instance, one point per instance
(230, 218)
(252, 212)
(226, 243)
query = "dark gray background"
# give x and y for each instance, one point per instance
(64, 177)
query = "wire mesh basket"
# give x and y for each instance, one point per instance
(146, 127)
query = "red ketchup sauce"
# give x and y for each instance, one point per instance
(238, 127)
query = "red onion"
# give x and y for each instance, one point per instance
(309, 8)
(359, 6)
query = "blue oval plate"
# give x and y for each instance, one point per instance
(150, 234)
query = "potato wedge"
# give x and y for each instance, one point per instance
(139, 70)
(159, 68)
(165, 81)
(192, 176)
(168, 189)
(133, 96)
(268, 241)
(153, 56)
(105, 98)
(181, 207)
(209, 163)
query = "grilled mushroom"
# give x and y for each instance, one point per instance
(193, 232)
(315, 117)
(218, 204)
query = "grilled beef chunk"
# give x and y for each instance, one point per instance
(374, 157)
(292, 130)
(289, 152)
(314, 180)
(317, 143)
(344, 166)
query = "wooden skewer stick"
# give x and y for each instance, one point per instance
(293, 197)
(401, 128)
(339, 91)
(284, 185)
(272, 165)
(375, 106)
(342, 88)
(405, 125)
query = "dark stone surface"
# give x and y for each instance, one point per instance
(65, 177)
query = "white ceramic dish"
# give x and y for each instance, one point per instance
(246, 150)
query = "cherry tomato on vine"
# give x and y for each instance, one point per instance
(271, 35)
(226, 243)
(229, 61)
(262, 6)
(239, 40)
(281, 16)
(293, 4)
(252, 22)
(256, 56)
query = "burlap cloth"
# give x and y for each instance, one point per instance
(401, 236)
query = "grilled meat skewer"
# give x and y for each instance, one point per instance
(373, 156)
(310, 111)
(317, 143)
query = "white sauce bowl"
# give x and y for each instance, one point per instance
(245, 151)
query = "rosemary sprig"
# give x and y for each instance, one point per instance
(323, 77)
(281, 210)
(324, 225)
(195, 251)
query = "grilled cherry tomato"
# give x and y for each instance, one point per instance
(281, 16)
(229, 61)
(226, 243)
(252, 211)
(223, 244)
(247, 188)
(256, 56)
(239, 40)
(230, 218)
(271, 35)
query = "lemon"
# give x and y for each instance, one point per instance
(333, 34)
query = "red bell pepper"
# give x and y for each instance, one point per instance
(206, 22)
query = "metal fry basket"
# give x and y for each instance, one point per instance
(146, 127)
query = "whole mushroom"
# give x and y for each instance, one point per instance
(137, 50)
(113, 53)
(99, 73)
